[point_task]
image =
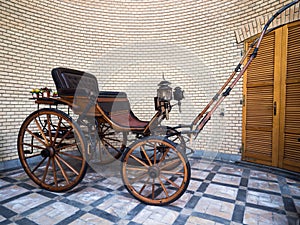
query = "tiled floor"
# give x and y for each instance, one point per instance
(219, 193)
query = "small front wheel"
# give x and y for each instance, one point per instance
(155, 171)
(50, 148)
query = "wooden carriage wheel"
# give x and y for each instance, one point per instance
(160, 176)
(50, 148)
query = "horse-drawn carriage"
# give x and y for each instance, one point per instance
(54, 147)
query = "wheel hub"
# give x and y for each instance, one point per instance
(153, 172)
(48, 152)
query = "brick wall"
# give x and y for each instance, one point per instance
(127, 45)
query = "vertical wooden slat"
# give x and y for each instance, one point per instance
(277, 102)
(244, 110)
(282, 85)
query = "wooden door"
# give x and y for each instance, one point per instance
(271, 112)
(289, 155)
(258, 105)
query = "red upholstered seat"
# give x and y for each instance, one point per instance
(127, 119)
(117, 107)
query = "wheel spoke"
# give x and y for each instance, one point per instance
(36, 137)
(67, 164)
(49, 127)
(34, 146)
(170, 163)
(112, 139)
(32, 156)
(63, 138)
(177, 137)
(46, 170)
(143, 150)
(163, 156)
(72, 156)
(138, 160)
(133, 180)
(41, 131)
(153, 189)
(137, 169)
(110, 145)
(171, 172)
(38, 165)
(106, 128)
(54, 172)
(154, 155)
(171, 182)
(163, 187)
(66, 146)
(62, 169)
(57, 129)
(140, 192)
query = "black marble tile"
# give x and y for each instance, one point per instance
(192, 202)
(136, 210)
(101, 200)
(212, 218)
(266, 208)
(238, 213)
(181, 219)
(210, 176)
(105, 215)
(36, 208)
(241, 195)
(25, 221)
(73, 203)
(203, 187)
(15, 197)
(289, 204)
(219, 198)
(26, 186)
(244, 182)
(72, 218)
(48, 194)
(7, 213)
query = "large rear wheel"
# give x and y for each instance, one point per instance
(155, 171)
(51, 147)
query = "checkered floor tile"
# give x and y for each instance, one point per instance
(219, 193)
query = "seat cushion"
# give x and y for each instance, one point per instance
(127, 119)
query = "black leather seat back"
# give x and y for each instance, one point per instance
(71, 82)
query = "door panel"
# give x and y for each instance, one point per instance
(258, 108)
(291, 149)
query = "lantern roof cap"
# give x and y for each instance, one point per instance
(164, 83)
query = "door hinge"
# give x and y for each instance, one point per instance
(242, 148)
(242, 102)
